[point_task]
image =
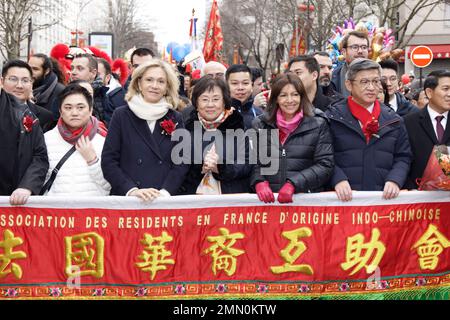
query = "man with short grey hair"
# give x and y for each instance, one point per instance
(214, 69)
(371, 146)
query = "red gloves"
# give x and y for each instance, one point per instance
(286, 192)
(264, 192)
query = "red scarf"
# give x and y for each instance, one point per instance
(89, 130)
(369, 120)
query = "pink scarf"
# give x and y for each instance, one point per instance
(287, 127)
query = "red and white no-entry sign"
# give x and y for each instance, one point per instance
(421, 56)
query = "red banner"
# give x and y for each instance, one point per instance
(212, 48)
(227, 246)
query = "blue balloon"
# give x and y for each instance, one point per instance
(187, 48)
(178, 53)
(172, 46)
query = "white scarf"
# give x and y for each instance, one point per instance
(149, 111)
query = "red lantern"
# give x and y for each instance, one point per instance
(302, 7)
(405, 79)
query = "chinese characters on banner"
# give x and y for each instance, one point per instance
(151, 248)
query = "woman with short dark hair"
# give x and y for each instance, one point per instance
(216, 173)
(81, 173)
(305, 145)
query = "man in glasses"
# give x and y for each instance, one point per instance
(371, 146)
(354, 45)
(397, 101)
(17, 80)
(23, 154)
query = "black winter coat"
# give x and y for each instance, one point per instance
(30, 160)
(367, 167)
(248, 111)
(306, 158)
(404, 107)
(134, 157)
(233, 177)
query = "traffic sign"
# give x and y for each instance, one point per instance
(421, 56)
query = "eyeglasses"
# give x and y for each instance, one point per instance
(364, 83)
(355, 47)
(213, 100)
(14, 80)
(391, 79)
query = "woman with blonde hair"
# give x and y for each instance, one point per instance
(136, 158)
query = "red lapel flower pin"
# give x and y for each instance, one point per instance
(28, 122)
(168, 127)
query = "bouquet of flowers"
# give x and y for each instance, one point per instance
(437, 172)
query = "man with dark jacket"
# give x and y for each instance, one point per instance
(326, 66)
(85, 67)
(371, 147)
(354, 45)
(23, 154)
(138, 57)
(397, 101)
(307, 69)
(239, 81)
(429, 126)
(46, 87)
(115, 93)
(18, 81)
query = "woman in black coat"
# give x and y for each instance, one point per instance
(304, 143)
(136, 157)
(213, 115)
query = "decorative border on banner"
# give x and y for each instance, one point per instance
(435, 287)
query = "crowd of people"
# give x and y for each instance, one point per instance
(343, 130)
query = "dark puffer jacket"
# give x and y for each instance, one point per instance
(233, 177)
(306, 158)
(367, 167)
(404, 106)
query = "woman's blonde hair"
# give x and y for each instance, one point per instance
(173, 82)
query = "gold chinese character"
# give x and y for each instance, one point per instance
(154, 255)
(84, 255)
(359, 253)
(224, 256)
(293, 251)
(8, 255)
(429, 247)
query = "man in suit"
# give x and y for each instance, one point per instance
(429, 126)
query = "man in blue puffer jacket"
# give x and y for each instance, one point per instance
(371, 147)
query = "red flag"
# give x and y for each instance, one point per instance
(212, 48)
(298, 44)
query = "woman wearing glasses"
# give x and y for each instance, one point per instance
(371, 146)
(216, 172)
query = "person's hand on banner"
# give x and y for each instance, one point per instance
(286, 192)
(19, 197)
(344, 191)
(149, 194)
(264, 192)
(391, 190)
